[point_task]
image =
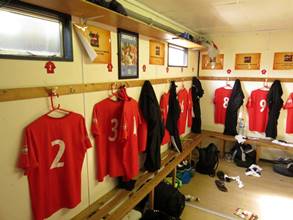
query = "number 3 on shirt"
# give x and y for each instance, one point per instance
(114, 123)
(262, 105)
(226, 100)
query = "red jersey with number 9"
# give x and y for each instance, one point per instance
(52, 157)
(258, 110)
(221, 99)
(289, 107)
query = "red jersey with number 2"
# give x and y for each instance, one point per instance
(258, 110)
(221, 99)
(289, 106)
(52, 157)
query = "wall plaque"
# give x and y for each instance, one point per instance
(157, 52)
(206, 62)
(283, 61)
(247, 61)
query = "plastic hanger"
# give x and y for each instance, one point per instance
(265, 85)
(113, 95)
(228, 86)
(58, 108)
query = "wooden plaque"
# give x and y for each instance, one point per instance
(100, 41)
(247, 61)
(283, 61)
(157, 52)
(206, 62)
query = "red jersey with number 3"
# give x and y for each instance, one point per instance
(52, 157)
(183, 99)
(289, 106)
(164, 105)
(221, 99)
(258, 110)
(105, 129)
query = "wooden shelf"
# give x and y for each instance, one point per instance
(103, 15)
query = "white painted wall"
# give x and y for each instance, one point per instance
(15, 115)
(264, 42)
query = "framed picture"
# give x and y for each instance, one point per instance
(157, 52)
(127, 54)
(206, 63)
(247, 61)
(283, 61)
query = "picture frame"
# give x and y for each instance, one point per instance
(128, 52)
(247, 61)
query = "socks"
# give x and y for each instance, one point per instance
(253, 170)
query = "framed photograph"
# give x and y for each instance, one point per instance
(157, 52)
(247, 61)
(283, 61)
(206, 63)
(127, 54)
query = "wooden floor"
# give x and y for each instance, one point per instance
(270, 196)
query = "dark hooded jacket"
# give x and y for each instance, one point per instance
(197, 92)
(235, 101)
(151, 112)
(172, 118)
(275, 104)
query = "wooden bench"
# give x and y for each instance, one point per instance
(259, 143)
(117, 203)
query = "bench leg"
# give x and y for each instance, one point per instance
(258, 151)
(174, 176)
(222, 148)
(152, 199)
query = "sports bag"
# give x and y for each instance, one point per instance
(243, 155)
(156, 215)
(169, 200)
(208, 160)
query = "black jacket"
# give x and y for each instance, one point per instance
(275, 104)
(235, 101)
(197, 93)
(172, 118)
(151, 112)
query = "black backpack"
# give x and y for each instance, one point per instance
(156, 215)
(243, 155)
(208, 160)
(169, 200)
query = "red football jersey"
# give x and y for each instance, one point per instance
(258, 110)
(164, 105)
(221, 99)
(183, 99)
(105, 129)
(52, 157)
(289, 106)
(190, 113)
(133, 137)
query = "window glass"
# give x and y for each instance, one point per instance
(177, 56)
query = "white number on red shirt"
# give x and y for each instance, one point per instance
(182, 106)
(114, 123)
(226, 100)
(56, 162)
(134, 126)
(262, 105)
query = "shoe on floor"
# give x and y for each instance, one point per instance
(221, 185)
(284, 169)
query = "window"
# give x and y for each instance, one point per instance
(177, 56)
(30, 32)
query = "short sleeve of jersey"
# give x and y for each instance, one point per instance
(27, 158)
(95, 127)
(84, 135)
(289, 102)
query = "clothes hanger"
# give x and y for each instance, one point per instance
(113, 95)
(265, 83)
(122, 93)
(58, 108)
(228, 86)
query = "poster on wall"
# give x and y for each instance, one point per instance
(100, 41)
(247, 61)
(207, 63)
(283, 61)
(127, 54)
(157, 52)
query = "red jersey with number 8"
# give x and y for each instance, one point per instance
(52, 157)
(289, 107)
(258, 110)
(221, 99)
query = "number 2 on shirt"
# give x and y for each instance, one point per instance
(56, 162)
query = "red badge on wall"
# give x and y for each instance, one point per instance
(144, 68)
(110, 67)
(263, 72)
(229, 71)
(50, 66)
